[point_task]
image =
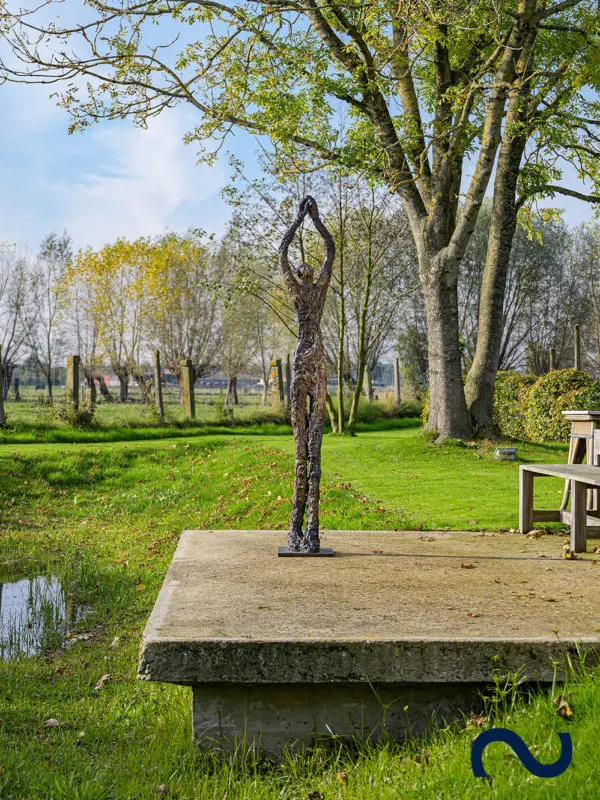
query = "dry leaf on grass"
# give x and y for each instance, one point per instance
(476, 721)
(102, 682)
(342, 778)
(563, 709)
(54, 723)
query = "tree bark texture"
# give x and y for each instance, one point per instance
(232, 395)
(308, 391)
(448, 413)
(481, 379)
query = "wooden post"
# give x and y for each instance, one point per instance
(2, 412)
(576, 348)
(525, 500)
(397, 394)
(276, 378)
(288, 379)
(280, 393)
(187, 388)
(552, 358)
(578, 516)
(72, 388)
(158, 394)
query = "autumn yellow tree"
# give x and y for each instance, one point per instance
(183, 287)
(113, 281)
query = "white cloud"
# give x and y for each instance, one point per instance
(143, 182)
(111, 180)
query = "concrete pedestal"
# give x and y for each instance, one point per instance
(279, 651)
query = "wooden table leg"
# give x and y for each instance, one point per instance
(578, 516)
(525, 500)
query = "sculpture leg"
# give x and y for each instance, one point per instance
(298, 396)
(316, 424)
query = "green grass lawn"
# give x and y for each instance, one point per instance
(105, 519)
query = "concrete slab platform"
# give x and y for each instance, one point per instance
(279, 649)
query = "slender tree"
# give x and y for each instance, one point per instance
(42, 314)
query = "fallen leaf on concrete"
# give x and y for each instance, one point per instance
(467, 566)
(54, 723)
(535, 534)
(102, 682)
(596, 549)
(569, 554)
(378, 551)
(472, 614)
(427, 538)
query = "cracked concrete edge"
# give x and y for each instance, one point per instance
(416, 661)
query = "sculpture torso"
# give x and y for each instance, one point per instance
(309, 302)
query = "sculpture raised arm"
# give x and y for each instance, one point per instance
(284, 263)
(325, 275)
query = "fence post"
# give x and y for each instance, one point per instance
(72, 387)
(158, 394)
(577, 348)
(552, 358)
(2, 412)
(397, 394)
(187, 388)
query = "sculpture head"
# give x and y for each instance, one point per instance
(305, 273)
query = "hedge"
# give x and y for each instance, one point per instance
(553, 393)
(507, 412)
(530, 408)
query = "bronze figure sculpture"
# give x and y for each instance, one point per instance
(309, 380)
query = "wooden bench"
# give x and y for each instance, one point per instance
(581, 477)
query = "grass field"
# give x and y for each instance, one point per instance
(105, 518)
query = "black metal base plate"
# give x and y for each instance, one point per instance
(285, 552)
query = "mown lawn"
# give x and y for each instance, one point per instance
(106, 518)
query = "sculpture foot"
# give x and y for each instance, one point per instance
(311, 542)
(295, 540)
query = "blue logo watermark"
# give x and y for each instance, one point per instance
(522, 752)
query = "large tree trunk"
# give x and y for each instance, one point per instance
(232, 395)
(7, 370)
(104, 390)
(92, 387)
(481, 379)
(448, 413)
(123, 376)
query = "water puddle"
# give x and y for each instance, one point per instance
(34, 613)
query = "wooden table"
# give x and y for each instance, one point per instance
(581, 477)
(584, 426)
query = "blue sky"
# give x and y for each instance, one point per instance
(114, 179)
(111, 180)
